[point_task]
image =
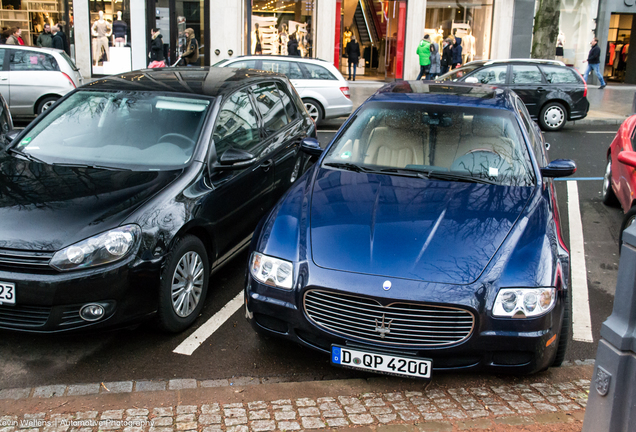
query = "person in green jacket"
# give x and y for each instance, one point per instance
(424, 51)
(45, 39)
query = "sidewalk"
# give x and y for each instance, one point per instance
(551, 401)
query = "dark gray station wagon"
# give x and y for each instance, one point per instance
(553, 92)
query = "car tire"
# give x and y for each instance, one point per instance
(45, 104)
(315, 110)
(553, 117)
(564, 334)
(607, 193)
(628, 220)
(188, 253)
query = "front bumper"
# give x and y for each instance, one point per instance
(495, 345)
(48, 302)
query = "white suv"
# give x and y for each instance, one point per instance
(320, 85)
(32, 79)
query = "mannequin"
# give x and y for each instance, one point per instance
(120, 31)
(284, 38)
(101, 31)
(346, 37)
(559, 45)
(469, 47)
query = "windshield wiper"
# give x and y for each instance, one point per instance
(79, 165)
(27, 156)
(445, 175)
(349, 166)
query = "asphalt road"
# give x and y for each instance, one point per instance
(236, 350)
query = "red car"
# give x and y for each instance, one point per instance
(619, 181)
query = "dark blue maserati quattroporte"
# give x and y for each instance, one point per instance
(426, 237)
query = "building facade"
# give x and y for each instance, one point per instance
(114, 36)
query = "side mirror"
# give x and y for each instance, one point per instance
(471, 80)
(311, 146)
(627, 158)
(235, 159)
(559, 168)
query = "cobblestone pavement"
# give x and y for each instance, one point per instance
(434, 408)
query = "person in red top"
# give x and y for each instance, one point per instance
(16, 37)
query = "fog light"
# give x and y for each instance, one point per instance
(92, 312)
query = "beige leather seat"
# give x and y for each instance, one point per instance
(488, 134)
(399, 143)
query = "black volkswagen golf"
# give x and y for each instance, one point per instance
(123, 198)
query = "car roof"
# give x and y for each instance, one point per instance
(30, 48)
(458, 94)
(506, 61)
(279, 57)
(207, 81)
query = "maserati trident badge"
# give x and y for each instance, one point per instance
(383, 327)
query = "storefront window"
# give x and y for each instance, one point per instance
(468, 20)
(189, 15)
(620, 31)
(110, 36)
(282, 27)
(31, 16)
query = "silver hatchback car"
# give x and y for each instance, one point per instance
(32, 79)
(319, 84)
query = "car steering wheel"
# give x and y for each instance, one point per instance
(184, 139)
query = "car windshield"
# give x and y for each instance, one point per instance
(453, 143)
(457, 74)
(128, 130)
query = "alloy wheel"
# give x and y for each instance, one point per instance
(187, 284)
(606, 177)
(312, 110)
(554, 116)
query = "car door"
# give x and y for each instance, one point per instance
(241, 196)
(33, 74)
(4, 77)
(282, 131)
(527, 81)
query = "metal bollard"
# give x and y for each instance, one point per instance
(610, 406)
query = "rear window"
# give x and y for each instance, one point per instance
(560, 75)
(69, 61)
(318, 72)
(23, 60)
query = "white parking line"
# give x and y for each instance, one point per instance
(581, 320)
(601, 132)
(196, 339)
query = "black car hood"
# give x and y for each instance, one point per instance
(46, 207)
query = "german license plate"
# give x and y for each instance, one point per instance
(380, 362)
(7, 293)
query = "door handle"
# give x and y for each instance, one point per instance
(4, 79)
(267, 165)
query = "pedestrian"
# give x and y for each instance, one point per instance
(45, 39)
(292, 46)
(57, 42)
(15, 37)
(593, 63)
(352, 50)
(190, 56)
(424, 52)
(156, 46)
(60, 29)
(457, 51)
(4, 35)
(447, 55)
(435, 62)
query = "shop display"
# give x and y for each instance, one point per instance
(346, 37)
(618, 47)
(274, 22)
(283, 38)
(264, 35)
(560, 44)
(300, 31)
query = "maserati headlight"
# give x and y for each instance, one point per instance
(272, 271)
(101, 249)
(524, 302)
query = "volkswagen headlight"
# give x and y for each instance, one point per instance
(524, 302)
(101, 249)
(272, 271)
